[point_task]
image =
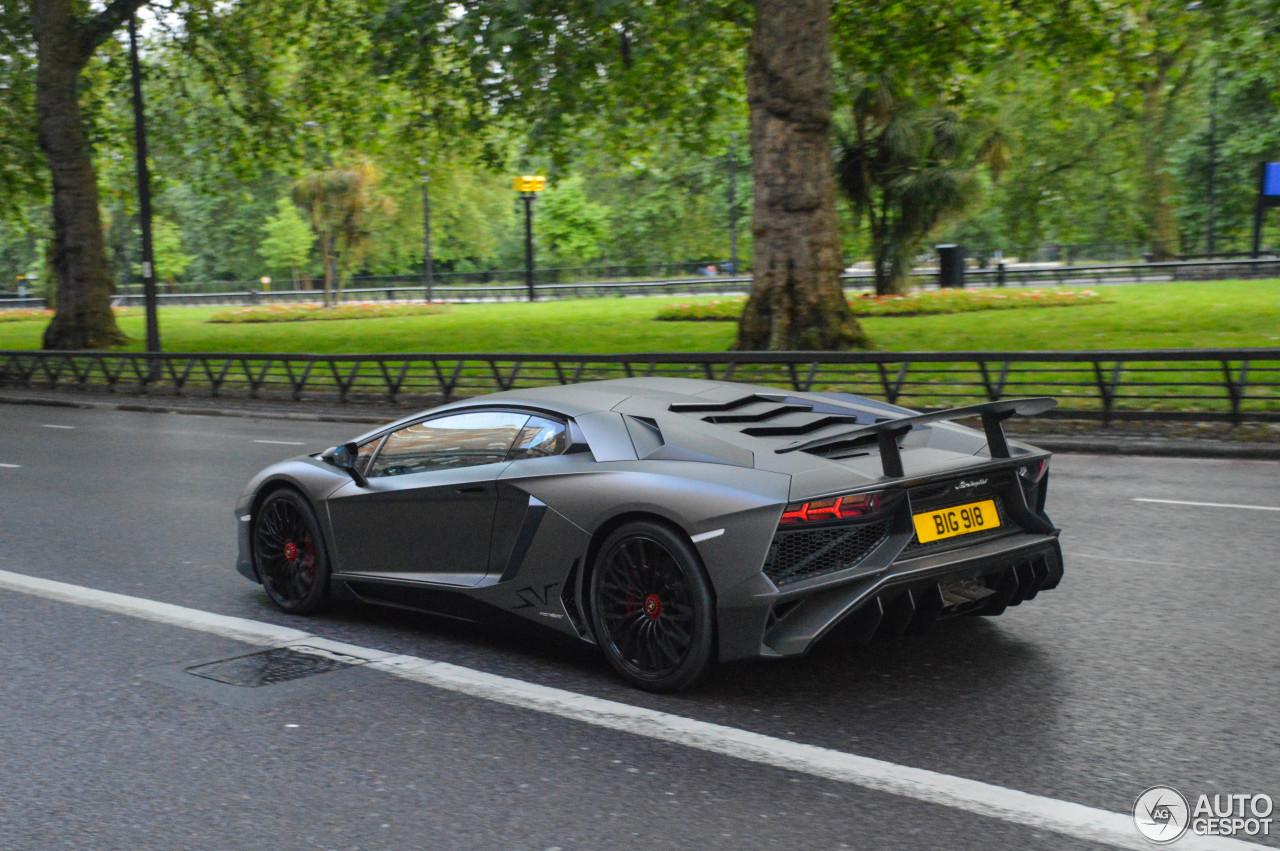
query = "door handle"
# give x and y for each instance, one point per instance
(471, 489)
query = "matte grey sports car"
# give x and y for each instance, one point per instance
(672, 522)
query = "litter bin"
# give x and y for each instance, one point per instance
(950, 265)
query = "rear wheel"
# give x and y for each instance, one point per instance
(651, 608)
(289, 553)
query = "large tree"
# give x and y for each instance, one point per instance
(796, 299)
(66, 38)
(625, 72)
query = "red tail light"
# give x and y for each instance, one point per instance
(831, 508)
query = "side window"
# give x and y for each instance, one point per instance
(538, 439)
(364, 454)
(461, 440)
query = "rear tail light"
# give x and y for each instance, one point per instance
(1034, 471)
(831, 508)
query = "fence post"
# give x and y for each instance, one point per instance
(1235, 389)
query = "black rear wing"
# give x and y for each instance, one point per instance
(887, 433)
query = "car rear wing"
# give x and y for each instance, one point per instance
(886, 433)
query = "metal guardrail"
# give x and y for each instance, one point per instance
(1198, 270)
(1234, 385)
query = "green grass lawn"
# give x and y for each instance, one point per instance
(1137, 316)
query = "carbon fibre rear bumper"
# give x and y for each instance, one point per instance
(915, 593)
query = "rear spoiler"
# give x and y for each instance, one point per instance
(887, 432)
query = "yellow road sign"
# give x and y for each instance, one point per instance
(530, 183)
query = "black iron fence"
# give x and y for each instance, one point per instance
(1234, 385)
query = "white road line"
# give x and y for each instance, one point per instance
(282, 442)
(1074, 554)
(52, 425)
(932, 787)
(1208, 504)
(11, 466)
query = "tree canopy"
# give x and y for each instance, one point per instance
(1006, 126)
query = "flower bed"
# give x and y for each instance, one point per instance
(317, 312)
(31, 314)
(919, 303)
(25, 314)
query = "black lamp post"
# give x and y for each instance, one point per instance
(144, 193)
(529, 186)
(428, 267)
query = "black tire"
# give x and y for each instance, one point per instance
(651, 607)
(289, 553)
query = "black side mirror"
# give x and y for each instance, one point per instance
(344, 458)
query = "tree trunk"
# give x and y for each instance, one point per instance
(79, 258)
(1159, 189)
(796, 300)
(328, 248)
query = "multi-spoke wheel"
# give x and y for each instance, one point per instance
(651, 607)
(289, 553)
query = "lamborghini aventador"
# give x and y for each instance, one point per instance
(674, 523)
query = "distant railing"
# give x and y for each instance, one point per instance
(1000, 275)
(1234, 385)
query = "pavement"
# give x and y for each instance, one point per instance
(1153, 663)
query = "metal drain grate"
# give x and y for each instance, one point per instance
(270, 667)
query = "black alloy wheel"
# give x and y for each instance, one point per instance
(289, 553)
(651, 607)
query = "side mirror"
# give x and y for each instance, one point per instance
(344, 458)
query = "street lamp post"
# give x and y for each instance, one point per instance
(529, 186)
(144, 195)
(428, 267)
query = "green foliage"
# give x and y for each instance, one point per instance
(614, 73)
(287, 240)
(341, 203)
(568, 226)
(906, 168)
(166, 246)
(1104, 108)
(21, 176)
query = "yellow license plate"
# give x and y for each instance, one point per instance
(956, 520)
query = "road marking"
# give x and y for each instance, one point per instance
(52, 425)
(1208, 504)
(11, 466)
(1118, 558)
(282, 442)
(707, 536)
(973, 796)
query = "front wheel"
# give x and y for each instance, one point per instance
(651, 608)
(289, 553)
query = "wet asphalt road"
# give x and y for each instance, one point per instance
(1155, 662)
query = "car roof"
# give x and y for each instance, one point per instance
(727, 409)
